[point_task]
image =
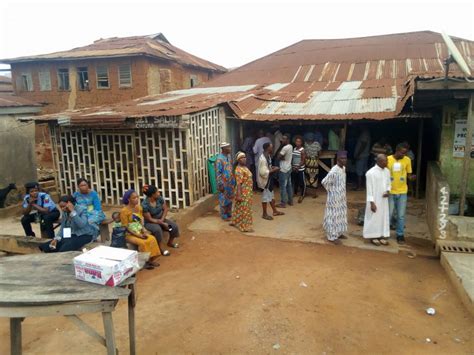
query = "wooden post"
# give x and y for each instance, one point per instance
(109, 333)
(418, 156)
(15, 336)
(342, 143)
(467, 155)
(131, 318)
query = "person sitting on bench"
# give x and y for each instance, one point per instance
(38, 207)
(75, 231)
(90, 199)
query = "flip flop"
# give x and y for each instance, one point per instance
(278, 214)
(149, 266)
(166, 253)
(268, 218)
(174, 245)
(375, 242)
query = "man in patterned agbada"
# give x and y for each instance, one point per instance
(335, 216)
(225, 181)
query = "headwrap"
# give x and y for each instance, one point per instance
(126, 196)
(225, 144)
(31, 185)
(309, 136)
(342, 154)
(239, 155)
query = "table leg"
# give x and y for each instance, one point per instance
(131, 319)
(15, 336)
(109, 333)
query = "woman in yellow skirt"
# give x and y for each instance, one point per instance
(131, 217)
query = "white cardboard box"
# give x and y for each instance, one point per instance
(105, 265)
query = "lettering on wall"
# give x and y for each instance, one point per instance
(443, 212)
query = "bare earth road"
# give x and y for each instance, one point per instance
(224, 292)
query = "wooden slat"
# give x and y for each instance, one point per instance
(36, 278)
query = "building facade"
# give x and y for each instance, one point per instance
(108, 71)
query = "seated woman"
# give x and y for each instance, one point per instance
(155, 210)
(75, 231)
(131, 217)
(38, 207)
(89, 198)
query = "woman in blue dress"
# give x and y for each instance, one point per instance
(89, 199)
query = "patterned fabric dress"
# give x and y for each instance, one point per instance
(242, 214)
(226, 181)
(335, 216)
(91, 202)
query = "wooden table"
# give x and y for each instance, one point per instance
(39, 285)
(329, 155)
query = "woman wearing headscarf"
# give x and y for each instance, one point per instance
(89, 198)
(242, 213)
(155, 210)
(75, 231)
(131, 217)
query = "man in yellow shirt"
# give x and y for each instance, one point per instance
(400, 172)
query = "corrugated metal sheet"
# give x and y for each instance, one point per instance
(9, 100)
(153, 46)
(357, 78)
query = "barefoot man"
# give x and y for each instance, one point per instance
(335, 216)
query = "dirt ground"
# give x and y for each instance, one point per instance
(224, 292)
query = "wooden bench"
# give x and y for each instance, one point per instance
(104, 234)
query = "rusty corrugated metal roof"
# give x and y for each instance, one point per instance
(9, 100)
(357, 78)
(153, 46)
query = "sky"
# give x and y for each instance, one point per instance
(228, 33)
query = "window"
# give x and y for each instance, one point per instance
(82, 78)
(193, 81)
(44, 78)
(63, 80)
(24, 82)
(125, 75)
(102, 77)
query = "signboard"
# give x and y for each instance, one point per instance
(460, 132)
(159, 122)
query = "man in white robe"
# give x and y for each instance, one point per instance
(377, 213)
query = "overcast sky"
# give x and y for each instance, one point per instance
(225, 32)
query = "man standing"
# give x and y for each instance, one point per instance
(225, 181)
(400, 170)
(377, 213)
(285, 156)
(361, 155)
(335, 216)
(247, 148)
(264, 180)
(258, 146)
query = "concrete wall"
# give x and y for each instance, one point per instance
(451, 167)
(149, 77)
(17, 151)
(437, 202)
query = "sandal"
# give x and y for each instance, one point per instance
(278, 214)
(166, 253)
(174, 245)
(375, 242)
(268, 218)
(149, 266)
(383, 241)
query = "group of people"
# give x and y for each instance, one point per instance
(81, 215)
(386, 185)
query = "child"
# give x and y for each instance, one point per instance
(118, 232)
